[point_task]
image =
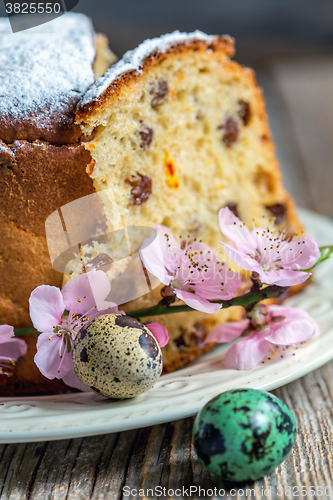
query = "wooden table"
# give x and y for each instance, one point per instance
(300, 102)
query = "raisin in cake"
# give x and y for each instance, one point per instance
(180, 131)
(43, 74)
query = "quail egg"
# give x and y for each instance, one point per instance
(243, 434)
(116, 356)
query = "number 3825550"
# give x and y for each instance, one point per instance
(33, 8)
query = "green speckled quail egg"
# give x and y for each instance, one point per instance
(117, 357)
(243, 434)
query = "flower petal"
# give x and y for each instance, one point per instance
(95, 286)
(300, 253)
(155, 257)
(11, 347)
(160, 333)
(247, 353)
(197, 302)
(72, 380)
(171, 240)
(236, 232)
(6, 333)
(215, 282)
(297, 326)
(48, 359)
(241, 259)
(46, 307)
(227, 332)
(290, 312)
(283, 277)
(310, 254)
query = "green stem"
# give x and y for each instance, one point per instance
(248, 301)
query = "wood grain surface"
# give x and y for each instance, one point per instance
(300, 101)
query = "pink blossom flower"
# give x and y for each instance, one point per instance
(191, 269)
(160, 333)
(268, 326)
(59, 315)
(11, 348)
(277, 258)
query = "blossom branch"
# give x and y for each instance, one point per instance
(247, 300)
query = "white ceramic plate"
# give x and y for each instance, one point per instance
(182, 393)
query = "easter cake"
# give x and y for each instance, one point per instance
(42, 156)
(176, 129)
(42, 160)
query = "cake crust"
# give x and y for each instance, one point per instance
(116, 80)
(36, 179)
(25, 379)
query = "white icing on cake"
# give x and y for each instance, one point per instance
(5, 149)
(133, 60)
(43, 68)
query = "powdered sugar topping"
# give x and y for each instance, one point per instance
(3, 148)
(44, 68)
(133, 60)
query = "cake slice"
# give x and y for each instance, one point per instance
(180, 131)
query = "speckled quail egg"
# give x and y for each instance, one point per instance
(117, 356)
(243, 434)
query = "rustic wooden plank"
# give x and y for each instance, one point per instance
(165, 454)
(83, 474)
(53, 477)
(2, 450)
(180, 465)
(149, 465)
(11, 461)
(153, 465)
(104, 473)
(305, 466)
(285, 472)
(307, 87)
(149, 473)
(22, 469)
(82, 468)
(10, 453)
(113, 470)
(133, 478)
